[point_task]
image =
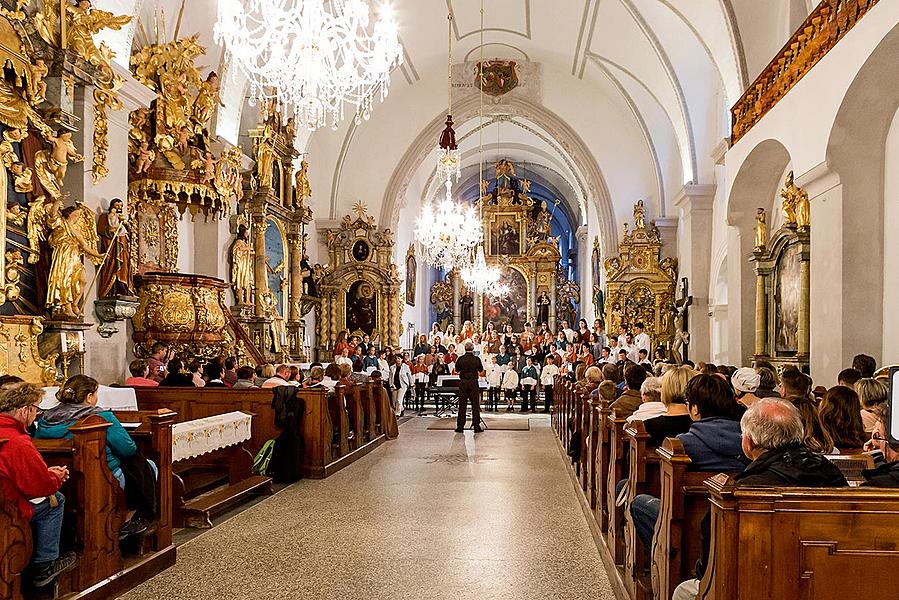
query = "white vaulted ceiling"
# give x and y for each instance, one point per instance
(643, 85)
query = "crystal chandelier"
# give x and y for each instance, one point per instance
(482, 279)
(447, 232)
(315, 60)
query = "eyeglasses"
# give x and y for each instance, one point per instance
(878, 438)
(38, 411)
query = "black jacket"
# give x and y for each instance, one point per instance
(792, 466)
(287, 455)
(795, 466)
(886, 476)
(468, 365)
(178, 380)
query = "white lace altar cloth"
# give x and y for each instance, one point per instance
(200, 436)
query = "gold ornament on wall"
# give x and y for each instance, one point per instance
(761, 229)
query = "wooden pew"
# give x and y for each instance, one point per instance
(97, 504)
(592, 435)
(15, 547)
(603, 451)
(615, 531)
(324, 414)
(684, 503)
(803, 543)
(643, 478)
(356, 413)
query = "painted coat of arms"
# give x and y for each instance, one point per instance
(496, 77)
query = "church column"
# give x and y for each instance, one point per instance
(296, 279)
(694, 242)
(761, 315)
(583, 279)
(107, 357)
(552, 302)
(261, 275)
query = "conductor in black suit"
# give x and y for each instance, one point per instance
(469, 367)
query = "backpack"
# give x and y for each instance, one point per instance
(263, 457)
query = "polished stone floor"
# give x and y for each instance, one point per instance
(432, 514)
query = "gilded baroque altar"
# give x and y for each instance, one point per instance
(640, 283)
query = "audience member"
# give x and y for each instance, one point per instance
(816, 437)
(872, 393)
(676, 419)
(264, 373)
(212, 375)
(245, 377)
(848, 377)
(317, 374)
(77, 400)
(27, 482)
(841, 418)
(713, 440)
(139, 374)
(630, 400)
(195, 368)
(771, 436)
(865, 365)
(793, 382)
(767, 382)
(281, 377)
(650, 401)
(887, 474)
(230, 375)
(296, 376)
(745, 382)
(176, 376)
(159, 354)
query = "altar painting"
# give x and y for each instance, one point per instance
(788, 295)
(510, 309)
(361, 308)
(505, 236)
(274, 262)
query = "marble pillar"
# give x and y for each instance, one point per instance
(761, 315)
(694, 242)
(261, 274)
(106, 358)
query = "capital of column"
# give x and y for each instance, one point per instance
(695, 198)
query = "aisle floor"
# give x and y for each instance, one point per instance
(432, 514)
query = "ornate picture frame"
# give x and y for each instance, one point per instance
(506, 234)
(411, 274)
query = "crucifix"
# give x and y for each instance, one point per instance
(681, 327)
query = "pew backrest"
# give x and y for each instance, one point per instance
(804, 543)
(15, 546)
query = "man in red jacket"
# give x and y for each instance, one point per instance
(27, 481)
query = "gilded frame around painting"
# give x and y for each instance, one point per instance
(506, 233)
(411, 275)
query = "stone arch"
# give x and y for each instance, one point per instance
(856, 153)
(576, 150)
(753, 187)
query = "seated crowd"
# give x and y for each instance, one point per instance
(766, 429)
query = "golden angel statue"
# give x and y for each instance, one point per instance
(51, 165)
(301, 185)
(761, 229)
(242, 266)
(206, 101)
(505, 172)
(70, 233)
(82, 22)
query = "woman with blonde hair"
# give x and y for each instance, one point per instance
(872, 393)
(676, 419)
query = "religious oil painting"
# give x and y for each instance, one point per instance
(274, 262)
(411, 275)
(361, 308)
(788, 296)
(511, 308)
(505, 236)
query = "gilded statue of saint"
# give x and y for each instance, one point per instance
(639, 216)
(72, 234)
(265, 156)
(761, 229)
(790, 195)
(114, 278)
(242, 266)
(303, 189)
(803, 210)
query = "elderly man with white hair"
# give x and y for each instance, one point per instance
(772, 438)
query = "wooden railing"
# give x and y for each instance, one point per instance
(820, 32)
